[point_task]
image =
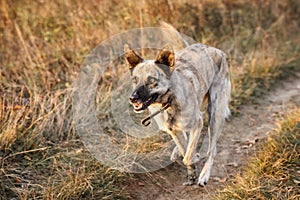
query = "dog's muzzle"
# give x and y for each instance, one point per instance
(140, 105)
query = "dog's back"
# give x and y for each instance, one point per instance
(201, 65)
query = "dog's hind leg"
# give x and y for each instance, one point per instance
(205, 172)
(217, 111)
(214, 129)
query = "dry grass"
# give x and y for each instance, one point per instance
(43, 43)
(274, 173)
(64, 171)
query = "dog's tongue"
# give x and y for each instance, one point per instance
(138, 106)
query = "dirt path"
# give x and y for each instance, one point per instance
(237, 143)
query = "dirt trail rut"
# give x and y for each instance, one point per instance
(236, 144)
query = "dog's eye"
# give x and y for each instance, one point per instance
(152, 82)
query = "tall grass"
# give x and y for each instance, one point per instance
(43, 43)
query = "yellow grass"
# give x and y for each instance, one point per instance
(43, 43)
(274, 172)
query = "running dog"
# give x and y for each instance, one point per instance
(173, 87)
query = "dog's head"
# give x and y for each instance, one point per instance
(150, 78)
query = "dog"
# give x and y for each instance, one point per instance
(173, 86)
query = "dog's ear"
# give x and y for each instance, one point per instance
(166, 56)
(131, 57)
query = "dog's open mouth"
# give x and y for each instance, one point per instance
(140, 106)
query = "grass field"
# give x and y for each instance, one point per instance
(43, 43)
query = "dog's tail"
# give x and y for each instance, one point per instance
(227, 89)
(219, 58)
(173, 36)
(227, 113)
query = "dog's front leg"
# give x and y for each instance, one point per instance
(176, 153)
(190, 156)
(181, 142)
(179, 138)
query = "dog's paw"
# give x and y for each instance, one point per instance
(202, 183)
(191, 180)
(203, 179)
(189, 183)
(191, 175)
(175, 154)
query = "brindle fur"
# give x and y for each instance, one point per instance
(183, 80)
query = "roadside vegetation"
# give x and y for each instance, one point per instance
(274, 172)
(43, 43)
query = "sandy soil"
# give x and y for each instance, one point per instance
(237, 143)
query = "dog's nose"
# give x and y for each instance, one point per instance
(133, 98)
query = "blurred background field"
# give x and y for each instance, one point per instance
(43, 43)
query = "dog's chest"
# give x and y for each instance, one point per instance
(170, 121)
(161, 118)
